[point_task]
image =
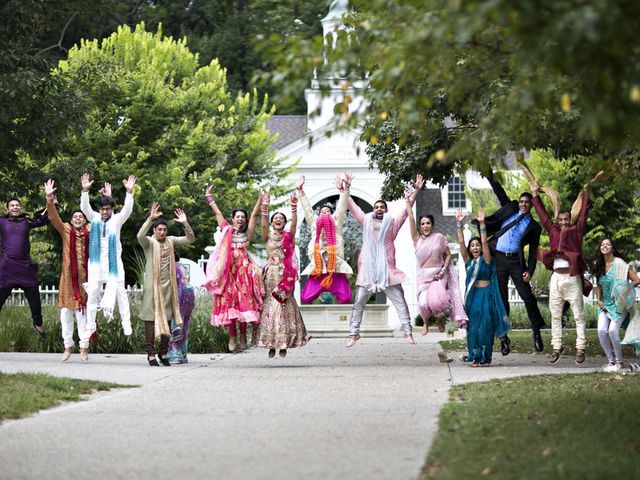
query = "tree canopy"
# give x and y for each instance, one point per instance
(153, 112)
(456, 84)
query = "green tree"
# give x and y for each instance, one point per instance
(155, 113)
(457, 84)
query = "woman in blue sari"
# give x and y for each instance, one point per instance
(482, 301)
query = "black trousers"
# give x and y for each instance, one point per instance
(510, 266)
(32, 294)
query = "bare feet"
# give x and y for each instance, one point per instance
(243, 341)
(408, 337)
(425, 328)
(486, 364)
(352, 340)
(475, 364)
(441, 324)
(232, 344)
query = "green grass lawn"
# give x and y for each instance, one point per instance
(547, 427)
(22, 394)
(522, 342)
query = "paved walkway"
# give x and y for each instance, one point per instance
(323, 412)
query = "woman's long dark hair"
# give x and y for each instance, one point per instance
(246, 217)
(598, 267)
(469, 246)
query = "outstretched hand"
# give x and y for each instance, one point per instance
(106, 190)
(293, 199)
(419, 183)
(535, 187)
(86, 182)
(129, 183)
(339, 182)
(459, 215)
(480, 216)
(265, 197)
(155, 212)
(180, 216)
(49, 190)
(300, 183)
(348, 178)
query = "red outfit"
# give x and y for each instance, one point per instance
(565, 242)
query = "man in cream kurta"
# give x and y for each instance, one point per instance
(160, 293)
(105, 255)
(377, 271)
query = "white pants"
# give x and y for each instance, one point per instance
(66, 321)
(395, 293)
(94, 291)
(563, 287)
(609, 334)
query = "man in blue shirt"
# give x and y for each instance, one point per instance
(513, 228)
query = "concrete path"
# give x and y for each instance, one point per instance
(323, 412)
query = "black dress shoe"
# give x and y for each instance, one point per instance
(153, 362)
(537, 341)
(505, 343)
(163, 360)
(43, 334)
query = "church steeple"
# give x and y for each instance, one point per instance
(320, 109)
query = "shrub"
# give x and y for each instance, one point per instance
(17, 334)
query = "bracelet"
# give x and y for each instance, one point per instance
(459, 226)
(264, 209)
(483, 229)
(209, 199)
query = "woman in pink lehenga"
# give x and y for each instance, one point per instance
(437, 282)
(232, 275)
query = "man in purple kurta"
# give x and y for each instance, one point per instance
(17, 270)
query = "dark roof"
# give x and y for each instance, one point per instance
(429, 201)
(290, 128)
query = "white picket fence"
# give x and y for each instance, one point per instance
(49, 295)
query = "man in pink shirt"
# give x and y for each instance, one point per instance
(377, 271)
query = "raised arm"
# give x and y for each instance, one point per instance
(341, 208)
(52, 211)
(85, 204)
(486, 251)
(412, 220)
(154, 213)
(581, 223)
(253, 218)
(400, 219)
(463, 248)
(294, 214)
(309, 214)
(189, 236)
(546, 222)
(503, 198)
(264, 212)
(214, 206)
(127, 208)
